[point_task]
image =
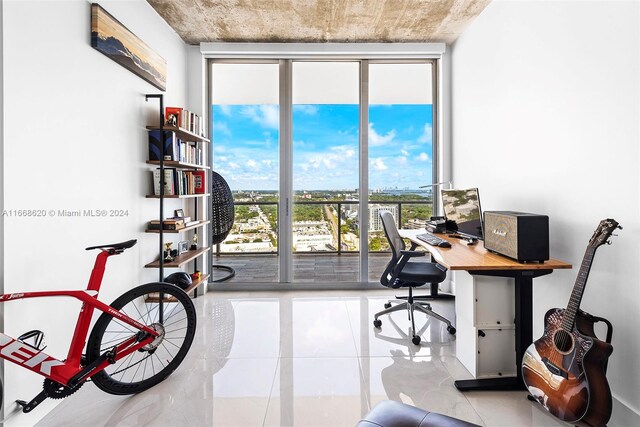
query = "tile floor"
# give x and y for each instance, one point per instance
(306, 358)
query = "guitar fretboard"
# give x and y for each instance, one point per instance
(569, 317)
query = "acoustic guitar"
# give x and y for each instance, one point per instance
(565, 369)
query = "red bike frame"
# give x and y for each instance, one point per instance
(37, 361)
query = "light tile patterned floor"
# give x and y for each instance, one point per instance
(305, 358)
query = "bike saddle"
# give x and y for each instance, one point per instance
(115, 246)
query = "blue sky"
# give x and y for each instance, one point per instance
(325, 146)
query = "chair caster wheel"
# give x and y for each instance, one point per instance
(415, 340)
(451, 330)
(387, 305)
(377, 323)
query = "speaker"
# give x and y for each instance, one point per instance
(518, 235)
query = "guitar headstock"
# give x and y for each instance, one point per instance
(603, 232)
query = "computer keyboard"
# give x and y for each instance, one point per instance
(433, 240)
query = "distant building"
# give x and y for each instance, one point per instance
(375, 223)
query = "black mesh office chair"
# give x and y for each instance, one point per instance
(403, 273)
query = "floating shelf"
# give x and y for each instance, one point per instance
(195, 284)
(180, 259)
(181, 132)
(191, 227)
(181, 196)
(174, 164)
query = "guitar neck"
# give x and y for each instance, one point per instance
(569, 317)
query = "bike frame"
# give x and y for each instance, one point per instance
(62, 372)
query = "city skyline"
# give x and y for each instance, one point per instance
(325, 146)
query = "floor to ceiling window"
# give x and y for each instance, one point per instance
(319, 157)
(245, 135)
(325, 171)
(400, 150)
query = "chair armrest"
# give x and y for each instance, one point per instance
(411, 254)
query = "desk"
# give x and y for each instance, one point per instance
(480, 262)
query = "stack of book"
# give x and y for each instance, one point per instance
(175, 149)
(180, 182)
(186, 119)
(167, 224)
(173, 223)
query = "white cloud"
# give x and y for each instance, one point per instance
(222, 158)
(376, 139)
(378, 164)
(309, 110)
(225, 110)
(267, 162)
(233, 165)
(251, 164)
(217, 148)
(401, 160)
(264, 115)
(404, 152)
(427, 133)
(221, 127)
(423, 157)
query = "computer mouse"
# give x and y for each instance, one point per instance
(444, 244)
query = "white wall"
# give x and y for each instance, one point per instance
(1, 184)
(545, 120)
(74, 139)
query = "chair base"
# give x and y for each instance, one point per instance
(411, 306)
(230, 270)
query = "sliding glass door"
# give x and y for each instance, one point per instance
(400, 139)
(313, 152)
(325, 172)
(245, 133)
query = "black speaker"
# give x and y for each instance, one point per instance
(518, 235)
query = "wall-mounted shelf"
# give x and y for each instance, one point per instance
(180, 260)
(176, 196)
(191, 227)
(194, 284)
(174, 164)
(182, 133)
(184, 155)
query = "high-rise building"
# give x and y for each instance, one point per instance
(375, 222)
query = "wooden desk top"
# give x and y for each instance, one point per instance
(461, 256)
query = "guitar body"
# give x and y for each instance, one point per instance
(565, 372)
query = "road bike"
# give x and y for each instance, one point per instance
(137, 341)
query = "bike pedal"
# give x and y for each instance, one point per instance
(37, 338)
(30, 406)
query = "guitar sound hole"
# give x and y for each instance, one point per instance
(563, 341)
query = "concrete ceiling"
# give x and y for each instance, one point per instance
(318, 20)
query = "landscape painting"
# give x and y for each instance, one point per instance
(113, 39)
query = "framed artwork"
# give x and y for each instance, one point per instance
(115, 40)
(178, 213)
(183, 247)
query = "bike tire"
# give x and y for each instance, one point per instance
(153, 363)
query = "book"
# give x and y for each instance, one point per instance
(200, 184)
(170, 145)
(156, 226)
(175, 111)
(169, 188)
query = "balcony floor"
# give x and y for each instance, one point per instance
(307, 268)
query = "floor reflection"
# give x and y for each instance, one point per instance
(297, 359)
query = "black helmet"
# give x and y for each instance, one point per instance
(180, 279)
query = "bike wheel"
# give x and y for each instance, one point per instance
(154, 362)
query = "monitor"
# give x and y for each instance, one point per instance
(463, 207)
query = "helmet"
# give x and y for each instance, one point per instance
(180, 279)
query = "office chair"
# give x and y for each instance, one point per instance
(403, 273)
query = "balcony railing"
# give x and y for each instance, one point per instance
(337, 232)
